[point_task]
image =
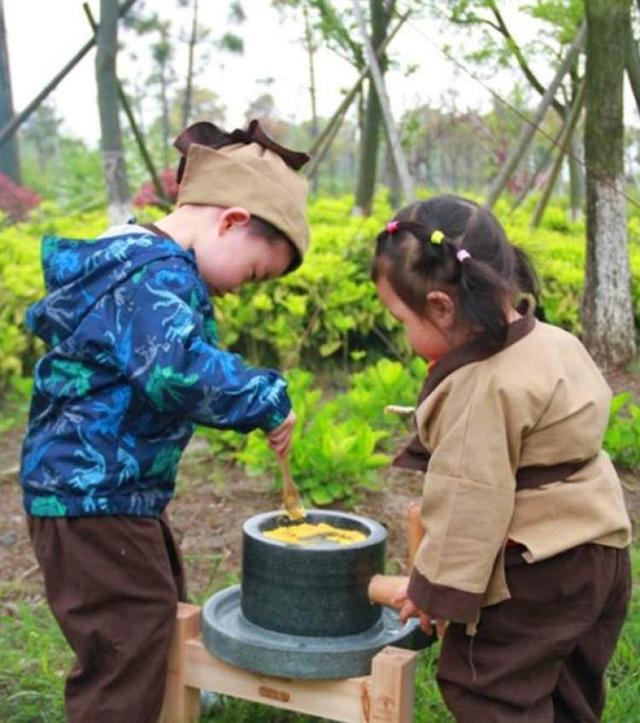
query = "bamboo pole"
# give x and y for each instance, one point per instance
(337, 117)
(632, 65)
(399, 159)
(10, 128)
(531, 126)
(565, 141)
(320, 154)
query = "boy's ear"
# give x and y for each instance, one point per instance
(233, 216)
(442, 310)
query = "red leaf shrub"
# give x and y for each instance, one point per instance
(16, 201)
(147, 196)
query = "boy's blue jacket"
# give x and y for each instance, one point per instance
(132, 366)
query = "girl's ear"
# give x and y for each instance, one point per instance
(442, 310)
(233, 216)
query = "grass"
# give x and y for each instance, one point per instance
(34, 659)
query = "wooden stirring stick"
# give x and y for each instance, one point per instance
(290, 495)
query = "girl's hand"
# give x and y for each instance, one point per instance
(408, 609)
(280, 438)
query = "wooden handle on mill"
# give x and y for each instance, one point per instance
(415, 532)
(382, 588)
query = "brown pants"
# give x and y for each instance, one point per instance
(113, 584)
(541, 656)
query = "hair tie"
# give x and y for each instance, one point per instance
(393, 226)
(462, 255)
(437, 237)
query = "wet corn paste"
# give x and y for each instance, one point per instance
(307, 533)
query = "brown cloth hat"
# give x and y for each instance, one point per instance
(245, 168)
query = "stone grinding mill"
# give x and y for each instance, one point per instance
(306, 611)
(309, 630)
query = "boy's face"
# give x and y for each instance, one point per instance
(231, 255)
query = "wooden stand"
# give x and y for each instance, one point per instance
(385, 696)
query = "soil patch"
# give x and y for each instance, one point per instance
(211, 503)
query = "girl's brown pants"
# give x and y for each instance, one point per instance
(541, 656)
(113, 584)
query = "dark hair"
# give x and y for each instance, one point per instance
(273, 235)
(415, 264)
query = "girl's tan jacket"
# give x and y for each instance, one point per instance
(514, 440)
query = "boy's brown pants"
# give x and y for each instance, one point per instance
(540, 657)
(113, 584)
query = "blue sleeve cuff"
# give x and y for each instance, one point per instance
(277, 416)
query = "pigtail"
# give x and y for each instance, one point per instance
(528, 284)
(481, 298)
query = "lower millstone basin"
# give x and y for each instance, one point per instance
(316, 588)
(318, 534)
(303, 610)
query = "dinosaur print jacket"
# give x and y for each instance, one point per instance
(132, 366)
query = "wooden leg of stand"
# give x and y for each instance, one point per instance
(392, 686)
(181, 703)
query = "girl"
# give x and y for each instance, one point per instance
(132, 365)
(526, 548)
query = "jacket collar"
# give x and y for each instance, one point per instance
(475, 350)
(414, 456)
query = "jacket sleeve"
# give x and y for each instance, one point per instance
(468, 499)
(169, 355)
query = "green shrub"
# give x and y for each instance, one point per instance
(326, 311)
(622, 439)
(333, 454)
(338, 444)
(386, 382)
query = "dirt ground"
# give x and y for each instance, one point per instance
(210, 506)
(206, 515)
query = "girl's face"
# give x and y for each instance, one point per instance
(426, 339)
(230, 255)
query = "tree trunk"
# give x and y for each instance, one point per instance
(188, 91)
(7, 130)
(310, 48)
(111, 135)
(370, 139)
(9, 160)
(607, 313)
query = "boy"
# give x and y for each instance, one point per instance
(132, 365)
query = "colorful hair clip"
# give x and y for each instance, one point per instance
(462, 255)
(393, 226)
(437, 237)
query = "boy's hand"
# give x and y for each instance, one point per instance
(410, 609)
(280, 438)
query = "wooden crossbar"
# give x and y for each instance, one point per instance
(385, 696)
